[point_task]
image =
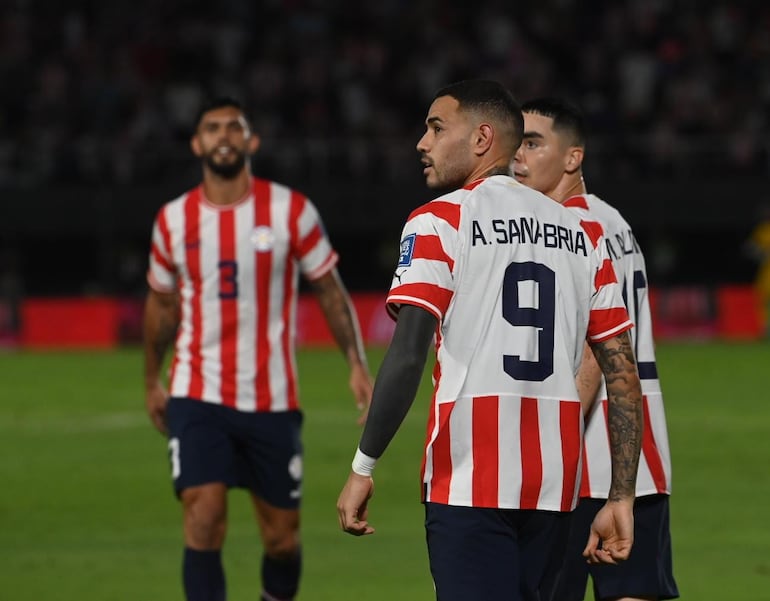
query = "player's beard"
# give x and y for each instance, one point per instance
(229, 170)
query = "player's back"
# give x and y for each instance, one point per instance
(524, 281)
(517, 283)
(655, 462)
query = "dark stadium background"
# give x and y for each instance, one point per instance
(97, 98)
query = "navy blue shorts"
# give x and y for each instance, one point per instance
(261, 452)
(647, 572)
(478, 554)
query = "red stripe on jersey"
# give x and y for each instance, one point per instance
(531, 458)
(161, 259)
(448, 211)
(571, 446)
(585, 477)
(577, 202)
(429, 247)
(442, 457)
(435, 295)
(650, 450)
(263, 263)
(228, 307)
(593, 229)
(296, 206)
(163, 256)
(605, 275)
(192, 260)
(607, 320)
(310, 241)
(486, 451)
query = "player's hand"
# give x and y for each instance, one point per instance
(352, 505)
(612, 533)
(362, 385)
(156, 399)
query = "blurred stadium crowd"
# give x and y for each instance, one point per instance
(104, 92)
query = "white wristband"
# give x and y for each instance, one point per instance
(363, 465)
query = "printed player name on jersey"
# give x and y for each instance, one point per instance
(622, 243)
(528, 230)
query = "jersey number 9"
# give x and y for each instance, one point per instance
(540, 316)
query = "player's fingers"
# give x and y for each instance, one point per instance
(602, 556)
(350, 523)
(620, 552)
(591, 545)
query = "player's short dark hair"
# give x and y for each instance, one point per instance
(490, 98)
(218, 102)
(567, 117)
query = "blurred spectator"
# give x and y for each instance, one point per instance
(101, 92)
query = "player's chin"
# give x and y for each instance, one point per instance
(432, 181)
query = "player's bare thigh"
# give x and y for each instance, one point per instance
(205, 515)
(279, 528)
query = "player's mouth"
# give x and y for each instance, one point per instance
(426, 166)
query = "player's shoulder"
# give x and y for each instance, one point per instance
(176, 204)
(445, 207)
(278, 189)
(603, 209)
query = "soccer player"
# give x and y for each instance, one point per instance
(223, 273)
(510, 285)
(550, 161)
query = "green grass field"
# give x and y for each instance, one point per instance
(87, 512)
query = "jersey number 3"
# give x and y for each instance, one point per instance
(538, 314)
(228, 282)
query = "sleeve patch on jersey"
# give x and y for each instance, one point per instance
(406, 251)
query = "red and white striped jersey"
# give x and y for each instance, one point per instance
(517, 284)
(654, 474)
(237, 268)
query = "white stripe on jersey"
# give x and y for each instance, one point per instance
(277, 368)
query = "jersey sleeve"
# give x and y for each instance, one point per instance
(424, 272)
(608, 316)
(312, 247)
(161, 274)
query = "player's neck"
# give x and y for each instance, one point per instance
(222, 191)
(569, 186)
(488, 170)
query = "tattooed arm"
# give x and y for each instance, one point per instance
(588, 380)
(614, 524)
(161, 320)
(343, 323)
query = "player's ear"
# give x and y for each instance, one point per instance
(195, 145)
(574, 159)
(484, 136)
(253, 144)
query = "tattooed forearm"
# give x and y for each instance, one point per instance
(339, 313)
(624, 411)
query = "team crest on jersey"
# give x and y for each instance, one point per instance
(262, 238)
(406, 251)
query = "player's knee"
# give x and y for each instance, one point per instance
(281, 545)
